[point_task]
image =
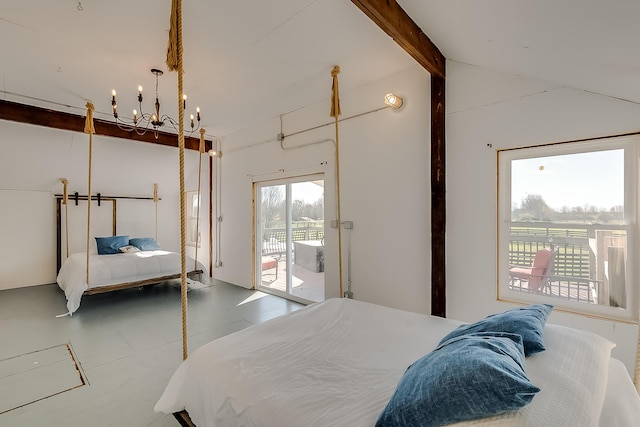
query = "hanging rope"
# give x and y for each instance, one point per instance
(335, 112)
(90, 129)
(201, 150)
(155, 201)
(174, 63)
(65, 202)
(636, 372)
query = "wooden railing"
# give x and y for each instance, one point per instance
(274, 240)
(578, 274)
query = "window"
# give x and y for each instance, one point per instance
(194, 224)
(289, 237)
(567, 216)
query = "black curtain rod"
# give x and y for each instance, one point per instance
(84, 197)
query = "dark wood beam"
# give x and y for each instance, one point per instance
(23, 113)
(394, 21)
(438, 199)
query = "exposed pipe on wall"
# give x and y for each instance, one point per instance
(375, 110)
(218, 204)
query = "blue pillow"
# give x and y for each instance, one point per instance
(526, 321)
(468, 377)
(144, 243)
(111, 245)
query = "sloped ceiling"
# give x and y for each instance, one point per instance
(585, 44)
(247, 61)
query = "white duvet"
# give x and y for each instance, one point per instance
(114, 269)
(337, 363)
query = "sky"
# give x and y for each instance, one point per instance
(593, 179)
(309, 191)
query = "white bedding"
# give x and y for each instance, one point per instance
(115, 269)
(337, 363)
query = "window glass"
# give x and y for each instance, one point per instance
(566, 220)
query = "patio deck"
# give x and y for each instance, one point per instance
(565, 289)
(307, 284)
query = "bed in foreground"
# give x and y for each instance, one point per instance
(339, 363)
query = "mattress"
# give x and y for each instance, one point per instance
(115, 269)
(338, 362)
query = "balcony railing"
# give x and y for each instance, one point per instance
(589, 263)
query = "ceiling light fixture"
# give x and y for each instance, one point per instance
(393, 101)
(143, 122)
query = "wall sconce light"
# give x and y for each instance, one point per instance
(393, 101)
(214, 153)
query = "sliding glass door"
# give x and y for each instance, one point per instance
(289, 237)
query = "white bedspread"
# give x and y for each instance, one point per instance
(337, 363)
(114, 269)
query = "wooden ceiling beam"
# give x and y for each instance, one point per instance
(394, 21)
(23, 113)
(391, 18)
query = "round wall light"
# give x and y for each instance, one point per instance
(392, 100)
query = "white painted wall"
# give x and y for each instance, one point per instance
(33, 160)
(384, 175)
(487, 107)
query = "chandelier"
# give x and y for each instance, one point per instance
(143, 122)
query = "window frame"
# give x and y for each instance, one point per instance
(193, 218)
(630, 220)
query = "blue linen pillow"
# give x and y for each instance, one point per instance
(144, 243)
(526, 321)
(468, 377)
(111, 245)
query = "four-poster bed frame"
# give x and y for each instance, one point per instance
(194, 274)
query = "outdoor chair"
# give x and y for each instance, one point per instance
(537, 275)
(273, 247)
(269, 263)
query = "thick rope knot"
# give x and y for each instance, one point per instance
(65, 191)
(172, 45)
(88, 124)
(202, 131)
(335, 93)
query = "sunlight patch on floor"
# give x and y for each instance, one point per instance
(255, 296)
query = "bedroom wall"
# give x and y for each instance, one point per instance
(33, 161)
(384, 171)
(488, 107)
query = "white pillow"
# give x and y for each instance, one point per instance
(572, 374)
(128, 249)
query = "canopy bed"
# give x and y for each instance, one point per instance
(116, 262)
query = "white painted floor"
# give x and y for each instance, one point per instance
(128, 344)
